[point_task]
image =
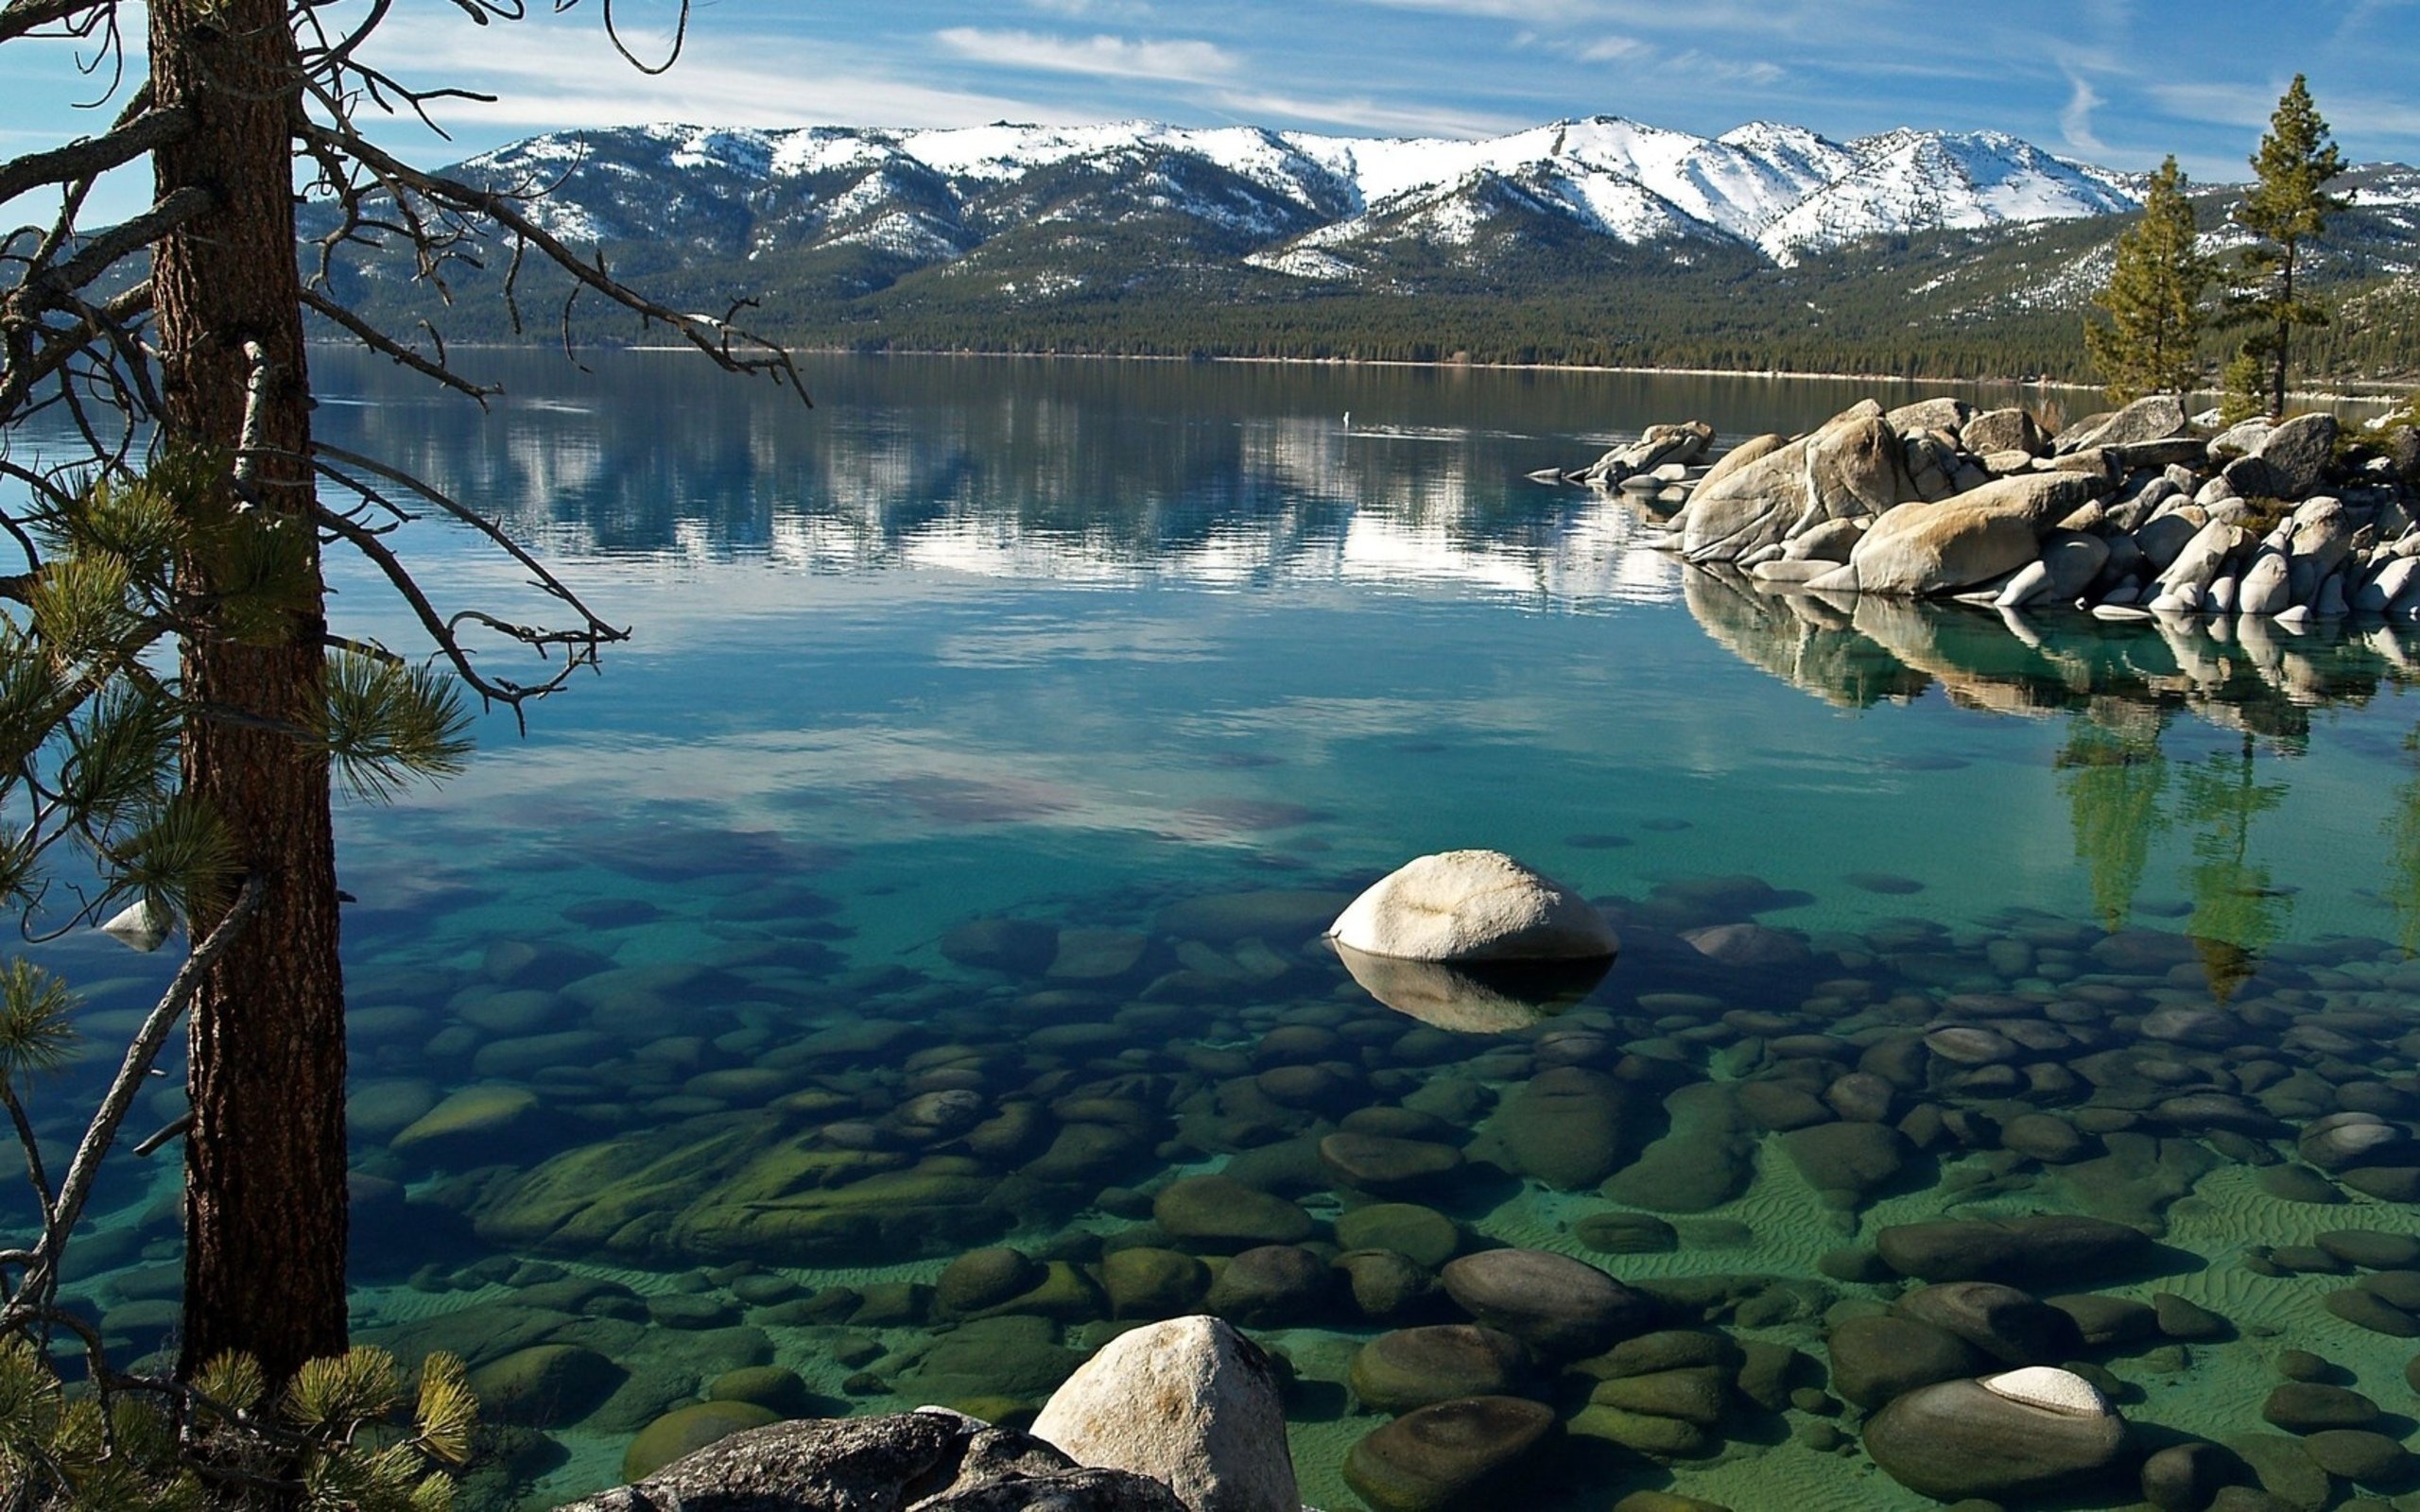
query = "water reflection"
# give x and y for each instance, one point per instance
(1856, 650)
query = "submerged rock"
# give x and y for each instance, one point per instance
(1438, 1457)
(1559, 1306)
(1414, 1367)
(2038, 1250)
(2025, 1434)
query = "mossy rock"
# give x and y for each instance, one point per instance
(547, 1386)
(469, 1117)
(1064, 1293)
(686, 1430)
(1427, 1236)
(1012, 1356)
(1147, 1284)
(776, 1388)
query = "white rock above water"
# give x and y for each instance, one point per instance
(2052, 1389)
(142, 926)
(1473, 906)
(1189, 1402)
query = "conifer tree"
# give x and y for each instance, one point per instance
(2286, 207)
(2154, 299)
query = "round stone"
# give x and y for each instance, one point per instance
(1148, 1282)
(1558, 1306)
(2303, 1406)
(985, 1277)
(1272, 1286)
(686, 1430)
(1220, 1211)
(1424, 1235)
(2367, 1309)
(1626, 1233)
(1957, 1439)
(1373, 1162)
(2358, 1455)
(2371, 1249)
(1437, 1457)
(1414, 1367)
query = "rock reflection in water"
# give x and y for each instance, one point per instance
(1474, 997)
(1856, 650)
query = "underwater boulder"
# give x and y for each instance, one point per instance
(2021, 1435)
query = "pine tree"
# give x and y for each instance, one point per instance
(2286, 207)
(2154, 299)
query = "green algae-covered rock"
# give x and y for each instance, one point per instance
(776, 1388)
(1220, 1212)
(1148, 1283)
(686, 1430)
(985, 1277)
(470, 1120)
(741, 1186)
(1009, 1356)
(1445, 1456)
(1423, 1235)
(1415, 1367)
(1567, 1125)
(547, 1386)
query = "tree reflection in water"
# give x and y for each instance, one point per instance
(2121, 686)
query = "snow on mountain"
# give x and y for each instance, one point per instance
(1908, 180)
(1302, 202)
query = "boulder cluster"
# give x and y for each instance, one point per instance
(2127, 514)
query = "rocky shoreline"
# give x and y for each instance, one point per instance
(2127, 515)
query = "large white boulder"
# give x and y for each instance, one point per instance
(1189, 1402)
(1472, 905)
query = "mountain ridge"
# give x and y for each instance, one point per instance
(1780, 189)
(1601, 241)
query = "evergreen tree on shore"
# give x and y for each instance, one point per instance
(2285, 208)
(2154, 299)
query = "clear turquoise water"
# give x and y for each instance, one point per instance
(1073, 642)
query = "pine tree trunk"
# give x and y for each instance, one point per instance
(264, 1169)
(2285, 340)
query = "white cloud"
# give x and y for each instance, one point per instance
(1365, 114)
(1094, 9)
(2075, 120)
(551, 73)
(1606, 49)
(1103, 56)
(1706, 68)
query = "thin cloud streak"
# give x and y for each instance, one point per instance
(1367, 115)
(1175, 61)
(2075, 122)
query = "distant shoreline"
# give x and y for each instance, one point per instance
(2391, 390)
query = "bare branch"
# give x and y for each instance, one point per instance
(579, 648)
(96, 155)
(731, 349)
(22, 18)
(131, 1071)
(104, 250)
(379, 341)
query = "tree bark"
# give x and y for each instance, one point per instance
(265, 1167)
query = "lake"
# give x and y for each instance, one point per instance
(940, 867)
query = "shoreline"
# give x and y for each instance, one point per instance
(2398, 388)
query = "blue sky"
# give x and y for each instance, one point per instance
(2119, 83)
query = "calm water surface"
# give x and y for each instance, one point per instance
(938, 866)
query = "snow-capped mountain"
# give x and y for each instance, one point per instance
(1318, 208)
